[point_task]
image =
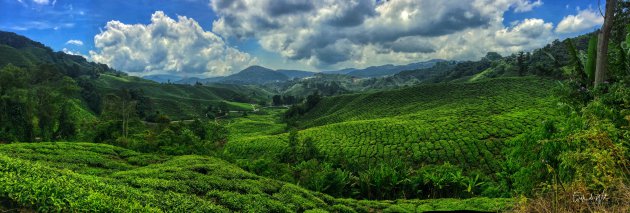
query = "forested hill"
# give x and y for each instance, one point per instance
(553, 60)
(42, 89)
(23, 52)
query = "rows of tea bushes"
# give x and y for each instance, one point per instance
(464, 124)
(479, 99)
(88, 177)
(473, 142)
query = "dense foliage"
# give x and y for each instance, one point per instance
(40, 112)
(101, 178)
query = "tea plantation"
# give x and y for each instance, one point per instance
(88, 177)
(465, 124)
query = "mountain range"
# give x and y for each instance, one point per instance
(263, 75)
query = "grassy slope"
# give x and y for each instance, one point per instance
(263, 123)
(465, 124)
(175, 100)
(102, 178)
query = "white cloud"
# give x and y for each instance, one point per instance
(524, 32)
(70, 52)
(37, 3)
(356, 33)
(167, 46)
(41, 2)
(526, 6)
(584, 20)
(75, 42)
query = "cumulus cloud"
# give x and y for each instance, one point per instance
(75, 42)
(584, 20)
(167, 46)
(341, 33)
(524, 32)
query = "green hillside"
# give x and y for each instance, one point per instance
(176, 101)
(426, 102)
(466, 125)
(88, 177)
(24, 52)
(181, 101)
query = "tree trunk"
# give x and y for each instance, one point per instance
(601, 68)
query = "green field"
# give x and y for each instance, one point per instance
(266, 122)
(81, 177)
(464, 124)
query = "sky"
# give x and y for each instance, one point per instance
(205, 38)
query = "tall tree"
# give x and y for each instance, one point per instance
(520, 61)
(224, 109)
(277, 100)
(601, 70)
(46, 108)
(312, 100)
(67, 128)
(121, 107)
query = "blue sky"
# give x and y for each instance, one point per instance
(291, 34)
(553, 10)
(89, 17)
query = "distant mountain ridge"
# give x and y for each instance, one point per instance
(165, 78)
(255, 75)
(250, 75)
(263, 75)
(389, 69)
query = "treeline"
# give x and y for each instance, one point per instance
(173, 138)
(129, 119)
(43, 102)
(302, 108)
(36, 104)
(220, 110)
(280, 100)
